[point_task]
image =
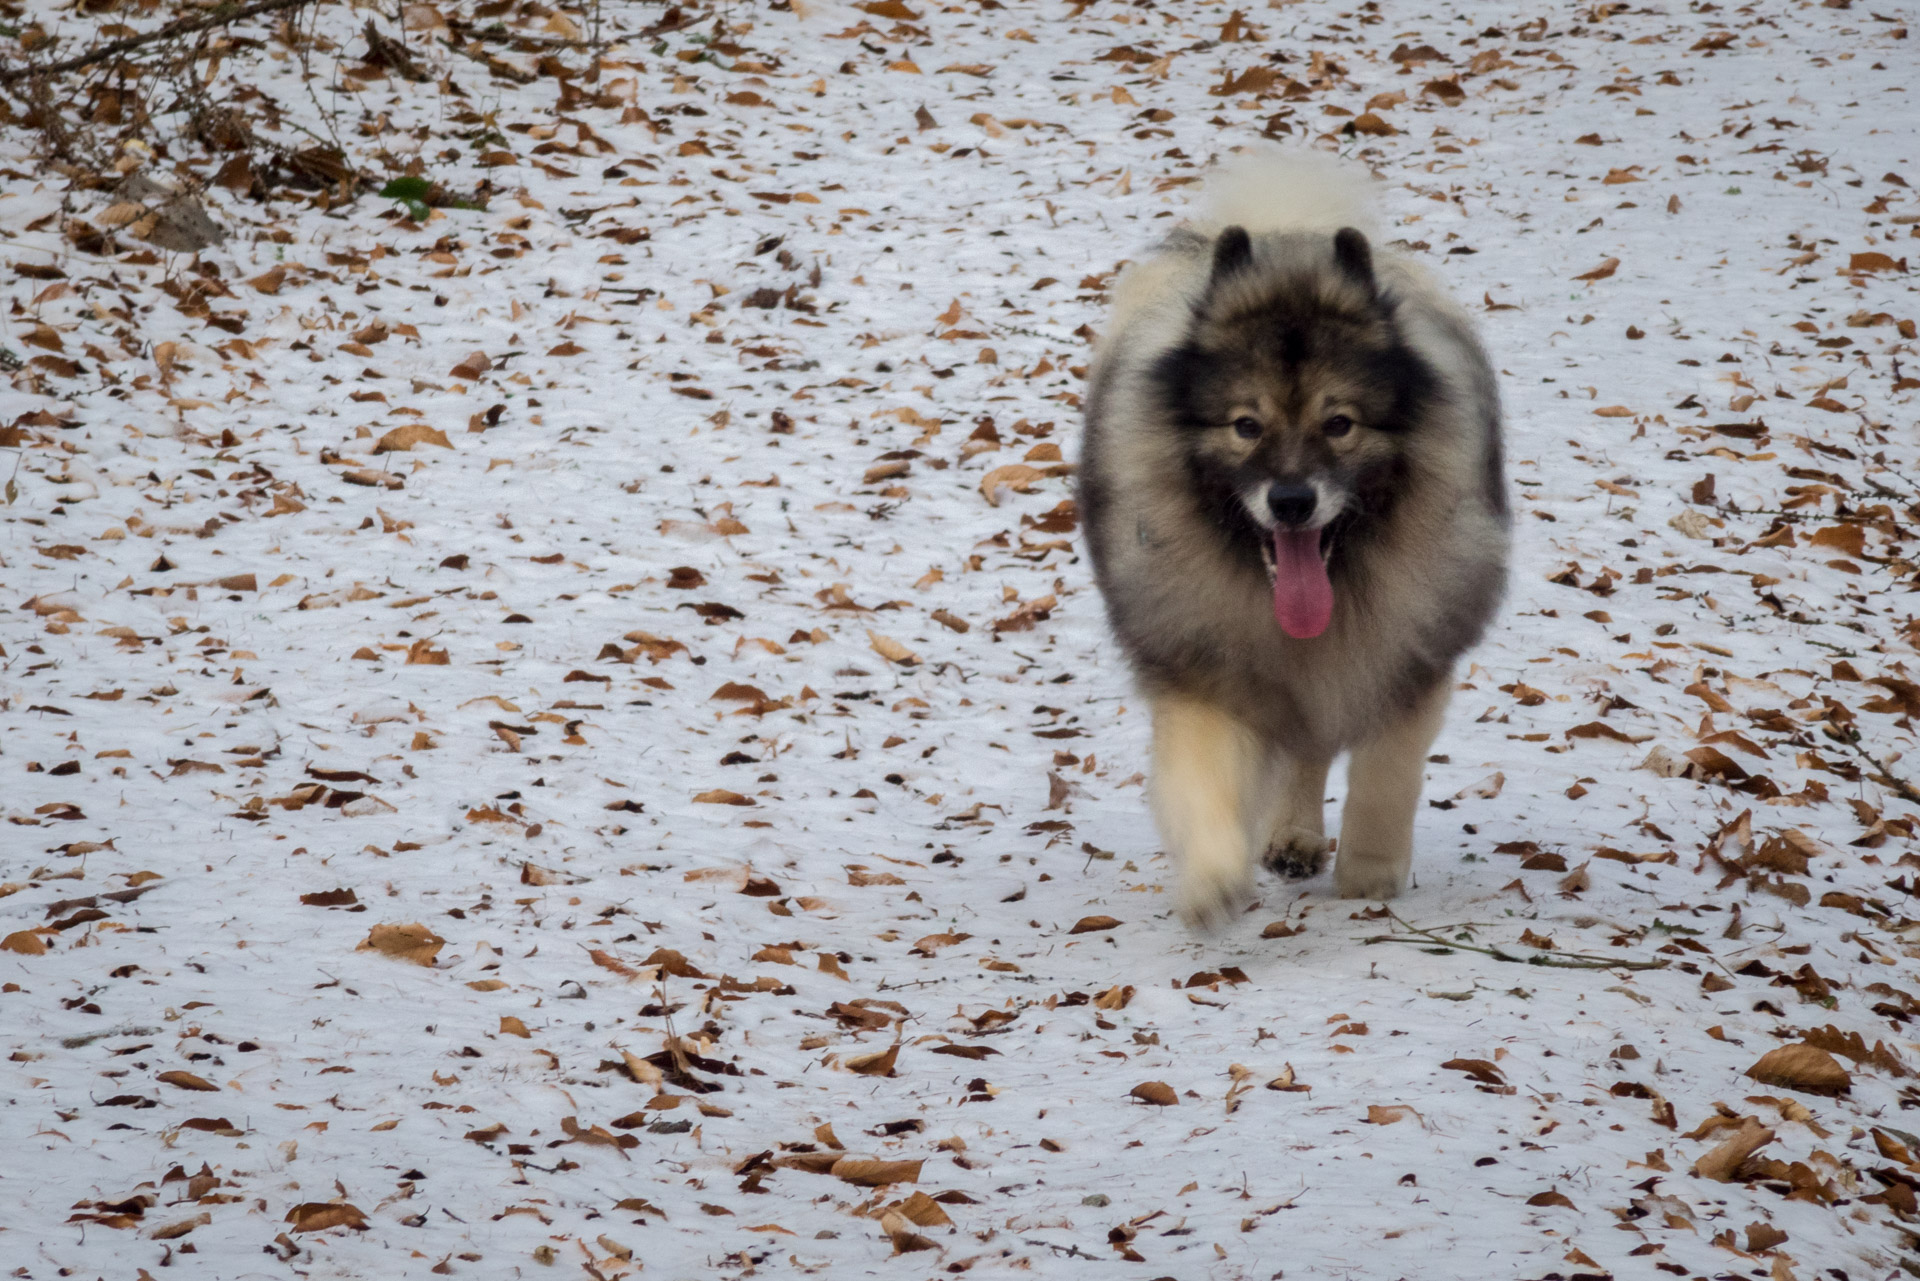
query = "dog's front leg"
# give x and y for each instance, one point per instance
(1297, 840)
(1205, 768)
(1383, 794)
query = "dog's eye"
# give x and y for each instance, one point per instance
(1246, 428)
(1338, 425)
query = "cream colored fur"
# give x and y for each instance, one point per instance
(1221, 798)
(1205, 794)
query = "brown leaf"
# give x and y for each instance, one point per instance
(1601, 272)
(318, 1216)
(1094, 924)
(330, 898)
(1286, 1082)
(721, 796)
(372, 479)
(1600, 729)
(423, 653)
(891, 650)
(922, 1210)
(512, 1026)
(415, 943)
(1478, 1069)
(932, 943)
(1378, 1115)
(25, 942)
(1157, 1093)
(1849, 540)
(1802, 1067)
(186, 1081)
(1723, 1161)
(880, 1064)
(1873, 260)
(874, 1174)
(1552, 1197)
(406, 437)
(1015, 476)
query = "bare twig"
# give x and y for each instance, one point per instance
(217, 17)
(1558, 961)
(1905, 790)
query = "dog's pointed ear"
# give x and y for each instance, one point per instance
(1354, 256)
(1232, 252)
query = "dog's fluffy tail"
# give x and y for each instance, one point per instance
(1271, 189)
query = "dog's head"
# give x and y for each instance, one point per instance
(1295, 395)
(1294, 390)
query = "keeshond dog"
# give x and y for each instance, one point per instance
(1295, 503)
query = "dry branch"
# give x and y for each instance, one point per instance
(217, 17)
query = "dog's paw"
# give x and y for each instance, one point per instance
(1375, 879)
(1297, 853)
(1208, 895)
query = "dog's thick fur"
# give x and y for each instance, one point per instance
(1272, 315)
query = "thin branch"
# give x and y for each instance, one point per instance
(1558, 961)
(1906, 791)
(217, 17)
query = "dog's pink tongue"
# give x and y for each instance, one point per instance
(1302, 596)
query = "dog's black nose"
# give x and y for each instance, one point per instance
(1292, 504)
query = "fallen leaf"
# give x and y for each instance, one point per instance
(415, 943)
(25, 942)
(1157, 1093)
(406, 437)
(880, 1064)
(318, 1216)
(1725, 1160)
(874, 1174)
(891, 650)
(1801, 1067)
(1015, 476)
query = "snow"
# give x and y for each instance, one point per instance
(925, 836)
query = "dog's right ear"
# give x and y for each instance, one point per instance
(1232, 252)
(1354, 256)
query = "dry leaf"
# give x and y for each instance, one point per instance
(1015, 476)
(186, 1081)
(874, 1174)
(891, 650)
(1094, 924)
(405, 438)
(1157, 1093)
(318, 1216)
(880, 1064)
(1725, 1160)
(25, 942)
(415, 943)
(1802, 1067)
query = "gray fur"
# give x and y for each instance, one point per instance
(1420, 567)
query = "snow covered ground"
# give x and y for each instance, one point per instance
(578, 733)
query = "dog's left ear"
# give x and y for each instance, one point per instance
(1232, 252)
(1354, 256)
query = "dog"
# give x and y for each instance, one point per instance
(1293, 490)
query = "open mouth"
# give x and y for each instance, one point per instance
(1267, 556)
(1296, 561)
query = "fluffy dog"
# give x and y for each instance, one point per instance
(1296, 508)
